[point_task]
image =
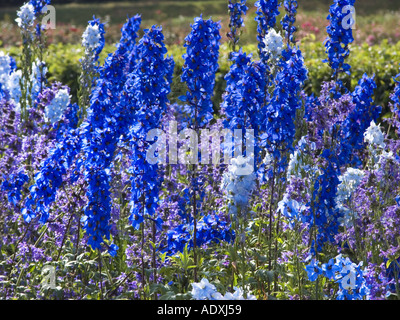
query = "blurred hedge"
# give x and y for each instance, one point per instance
(16, 3)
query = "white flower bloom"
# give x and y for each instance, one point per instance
(203, 290)
(35, 78)
(296, 164)
(5, 68)
(273, 43)
(13, 87)
(26, 16)
(238, 295)
(55, 109)
(91, 38)
(267, 159)
(376, 145)
(349, 182)
(241, 166)
(373, 135)
(239, 181)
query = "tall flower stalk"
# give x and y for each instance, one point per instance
(147, 89)
(266, 13)
(201, 64)
(237, 9)
(93, 43)
(340, 36)
(25, 20)
(288, 21)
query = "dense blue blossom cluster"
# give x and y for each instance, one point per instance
(244, 96)
(127, 44)
(39, 5)
(359, 119)
(210, 229)
(348, 275)
(201, 63)
(281, 110)
(107, 119)
(324, 215)
(148, 88)
(13, 186)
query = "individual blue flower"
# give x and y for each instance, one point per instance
(112, 250)
(330, 269)
(313, 270)
(291, 209)
(398, 200)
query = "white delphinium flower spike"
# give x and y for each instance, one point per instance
(26, 16)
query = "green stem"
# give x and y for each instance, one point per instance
(101, 280)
